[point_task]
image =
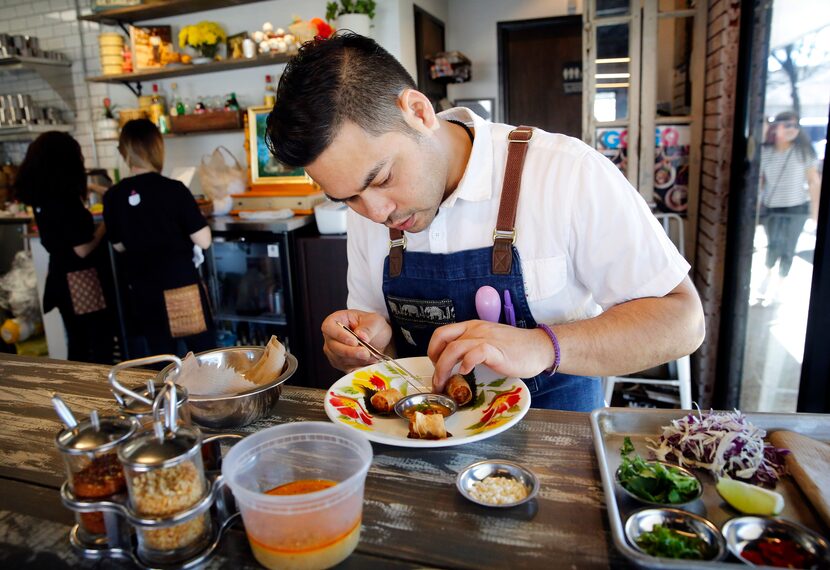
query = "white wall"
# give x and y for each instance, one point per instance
(472, 30)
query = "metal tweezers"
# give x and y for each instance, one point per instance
(408, 376)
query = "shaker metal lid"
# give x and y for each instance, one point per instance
(136, 407)
(87, 438)
(146, 451)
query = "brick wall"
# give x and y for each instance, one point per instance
(55, 24)
(721, 62)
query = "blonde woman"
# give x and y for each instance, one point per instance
(154, 222)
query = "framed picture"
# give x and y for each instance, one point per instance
(235, 45)
(152, 46)
(265, 169)
(484, 108)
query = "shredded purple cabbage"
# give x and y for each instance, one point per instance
(724, 443)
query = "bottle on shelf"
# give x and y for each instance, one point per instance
(157, 111)
(270, 91)
(176, 105)
(232, 104)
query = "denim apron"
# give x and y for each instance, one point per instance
(429, 290)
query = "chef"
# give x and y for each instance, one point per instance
(445, 204)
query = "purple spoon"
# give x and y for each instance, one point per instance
(488, 304)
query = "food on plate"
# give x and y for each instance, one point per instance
(462, 388)
(750, 499)
(270, 365)
(780, 552)
(498, 490)
(725, 443)
(427, 408)
(655, 482)
(301, 487)
(383, 401)
(665, 542)
(427, 426)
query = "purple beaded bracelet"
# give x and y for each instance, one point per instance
(555, 342)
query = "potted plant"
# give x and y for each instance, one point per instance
(205, 38)
(106, 127)
(354, 15)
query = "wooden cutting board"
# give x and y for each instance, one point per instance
(809, 464)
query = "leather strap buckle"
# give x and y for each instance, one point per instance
(398, 243)
(521, 135)
(505, 234)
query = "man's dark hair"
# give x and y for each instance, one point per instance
(344, 78)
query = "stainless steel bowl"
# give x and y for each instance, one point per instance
(236, 410)
(667, 465)
(480, 470)
(741, 531)
(407, 402)
(684, 522)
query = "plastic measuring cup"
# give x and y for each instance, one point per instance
(304, 531)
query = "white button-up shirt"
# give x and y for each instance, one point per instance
(586, 239)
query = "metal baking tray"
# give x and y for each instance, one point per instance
(611, 425)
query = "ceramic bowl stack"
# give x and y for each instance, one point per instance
(112, 53)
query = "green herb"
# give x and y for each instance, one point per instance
(668, 543)
(654, 481)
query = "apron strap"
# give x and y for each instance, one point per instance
(505, 233)
(504, 236)
(397, 243)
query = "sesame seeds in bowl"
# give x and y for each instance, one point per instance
(495, 483)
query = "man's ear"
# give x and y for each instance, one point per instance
(418, 111)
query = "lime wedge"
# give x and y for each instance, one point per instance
(750, 499)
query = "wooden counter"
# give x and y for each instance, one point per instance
(413, 515)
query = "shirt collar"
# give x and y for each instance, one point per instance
(475, 184)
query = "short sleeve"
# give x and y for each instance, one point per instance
(619, 250)
(364, 295)
(189, 215)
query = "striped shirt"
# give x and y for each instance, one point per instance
(785, 177)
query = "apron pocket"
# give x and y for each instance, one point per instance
(184, 311)
(85, 291)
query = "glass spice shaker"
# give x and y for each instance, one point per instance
(165, 476)
(93, 470)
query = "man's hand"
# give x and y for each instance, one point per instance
(342, 350)
(511, 351)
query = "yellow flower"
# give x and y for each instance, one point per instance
(203, 33)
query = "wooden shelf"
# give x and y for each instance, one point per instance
(162, 9)
(181, 70)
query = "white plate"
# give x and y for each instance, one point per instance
(500, 404)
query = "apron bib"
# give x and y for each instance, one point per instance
(424, 291)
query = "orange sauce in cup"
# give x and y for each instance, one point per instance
(314, 552)
(301, 487)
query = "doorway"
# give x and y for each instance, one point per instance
(774, 280)
(540, 73)
(429, 40)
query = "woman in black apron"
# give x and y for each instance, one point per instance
(52, 180)
(154, 223)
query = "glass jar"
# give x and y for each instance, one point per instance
(94, 472)
(165, 477)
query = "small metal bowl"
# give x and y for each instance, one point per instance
(236, 410)
(481, 470)
(667, 465)
(741, 531)
(644, 520)
(407, 402)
